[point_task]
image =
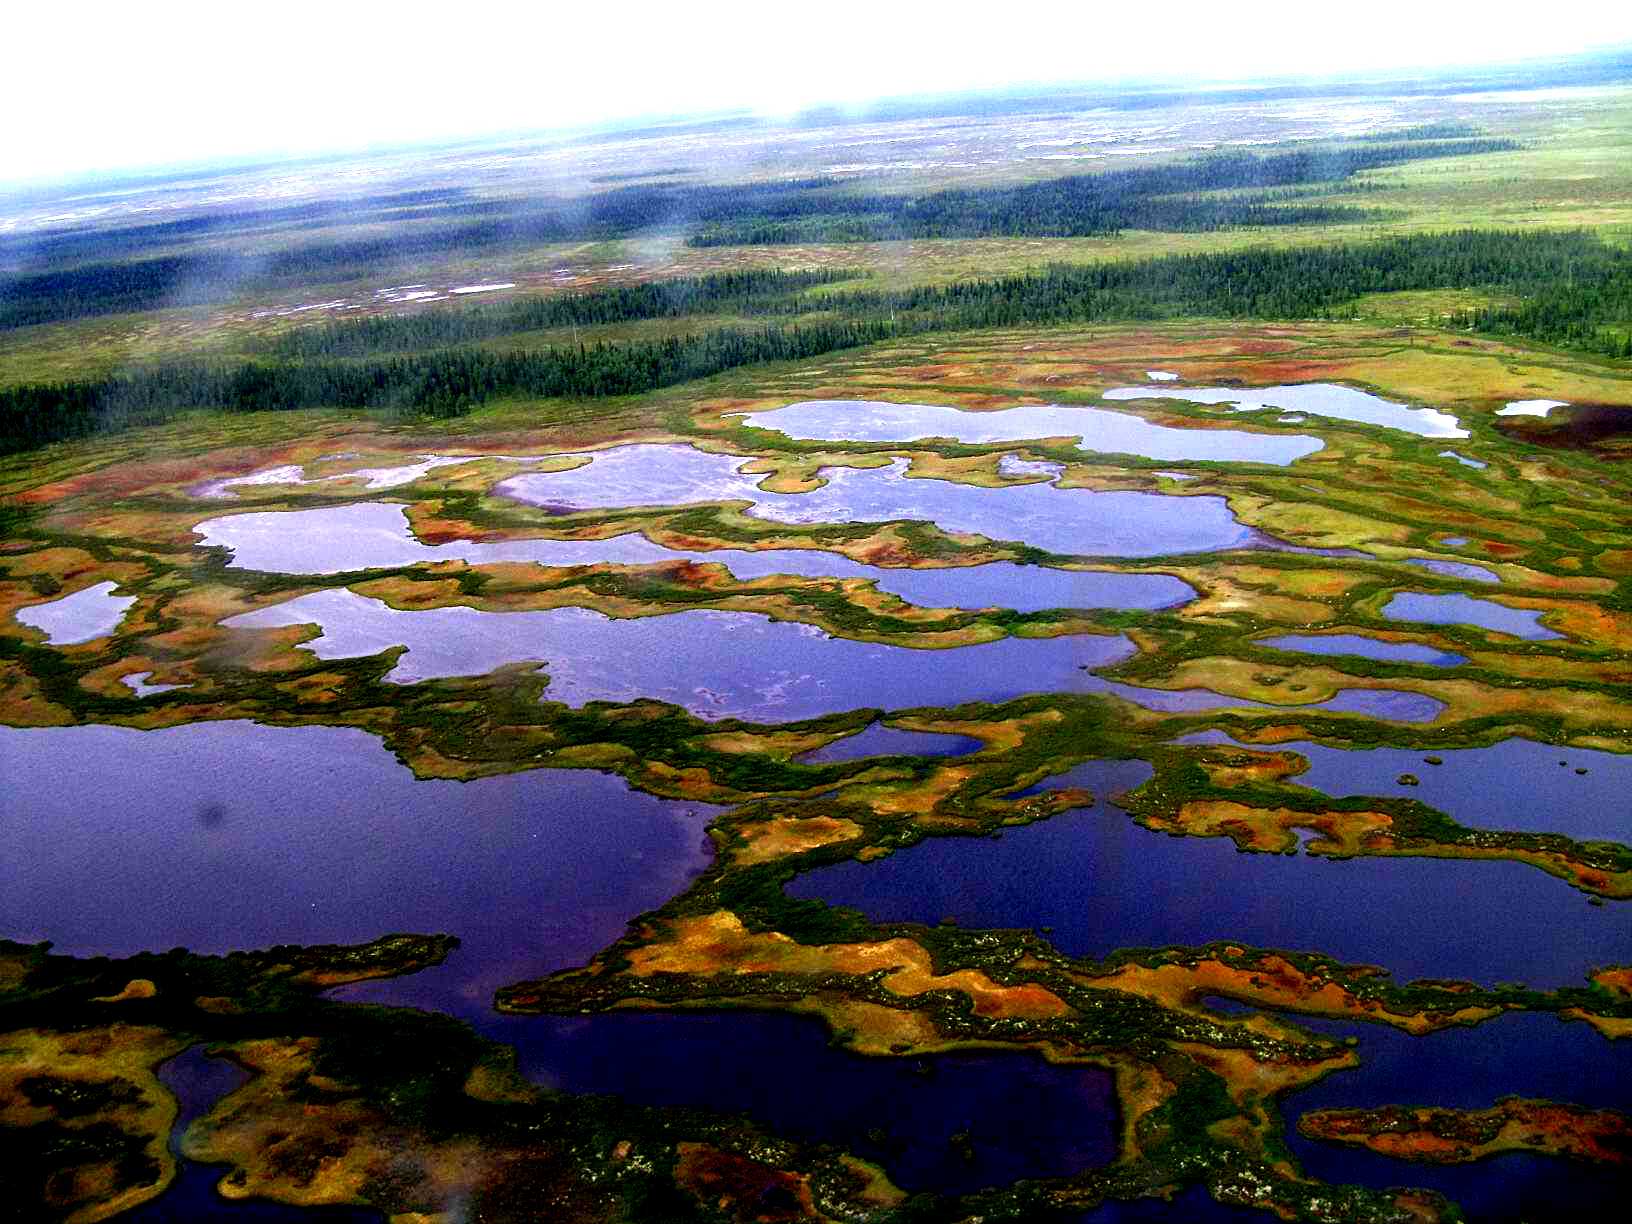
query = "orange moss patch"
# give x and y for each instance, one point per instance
(743, 1189)
(114, 1066)
(1458, 1136)
(774, 839)
(1273, 982)
(718, 944)
(1273, 829)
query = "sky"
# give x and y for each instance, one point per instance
(98, 86)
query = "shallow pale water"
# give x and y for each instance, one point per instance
(376, 535)
(1097, 429)
(1070, 522)
(83, 616)
(741, 664)
(1314, 399)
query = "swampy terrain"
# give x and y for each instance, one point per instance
(1003, 765)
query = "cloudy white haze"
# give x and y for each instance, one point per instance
(104, 86)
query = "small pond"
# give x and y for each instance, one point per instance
(83, 616)
(1314, 399)
(1466, 610)
(1359, 646)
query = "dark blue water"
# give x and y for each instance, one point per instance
(1359, 646)
(879, 740)
(1100, 883)
(228, 835)
(1539, 790)
(1466, 610)
(198, 1083)
(1024, 1117)
(1528, 1055)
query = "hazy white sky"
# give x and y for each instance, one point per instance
(104, 86)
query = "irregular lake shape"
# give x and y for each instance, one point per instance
(741, 664)
(1539, 790)
(137, 682)
(1455, 569)
(1528, 1055)
(1466, 610)
(372, 478)
(1098, 430)
(374, 535)
(879, 740)
(230, 834)
(1530, 408)
(1462, 459)
(1102, 883)
(1315, 399)
(1070, 522)
(716, 664)
(1359, 646)
(83, 616)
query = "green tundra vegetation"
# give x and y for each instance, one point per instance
(1308, 263)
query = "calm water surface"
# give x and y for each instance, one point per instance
(1527, 1055)
(1098, 430)
(374, 535)
(1539, 792)
(1070, 522)
(1466, 610)
(1101, 883)
(81, 617)
(1315, 399)
(1363, 647)
(741, 664)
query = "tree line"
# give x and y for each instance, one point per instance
(1222, 190)
(1573, 276)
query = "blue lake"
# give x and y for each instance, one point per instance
(376, 535)
(1526, 1055)
(879, 740)
(1539, 789)
(1466, 610)
(229, 835)
(1069, 522)
(1360, 646)
(741, 664)
(81, 617)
